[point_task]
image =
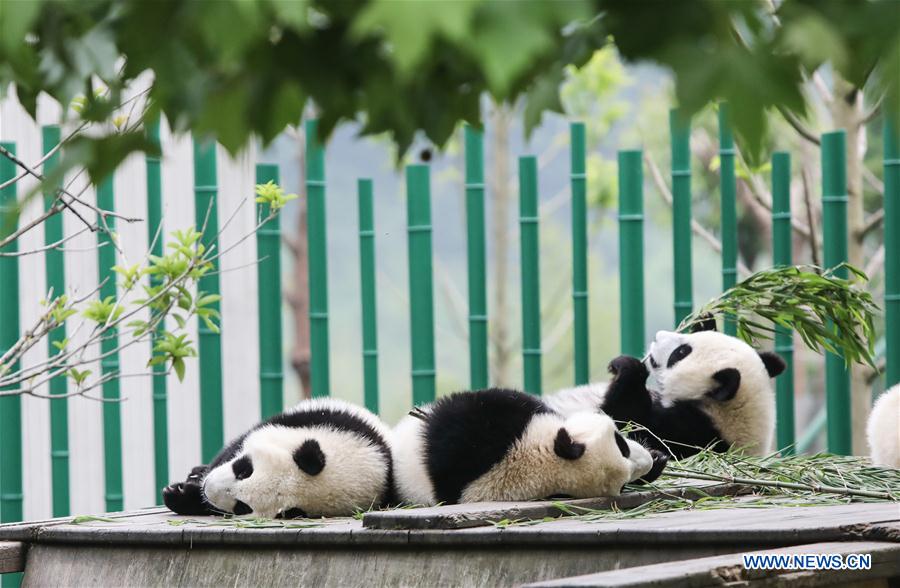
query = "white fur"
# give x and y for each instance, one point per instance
(354, 477)
(530, 469)
(883, 430)
(748, 419)
(568, 401)
(410, 470)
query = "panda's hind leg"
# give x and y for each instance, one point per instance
(186, 498)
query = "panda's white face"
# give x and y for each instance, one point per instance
(289, 473)
(687, 366)
(730, 380)
(607, 450)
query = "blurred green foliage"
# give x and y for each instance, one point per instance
(238, 68)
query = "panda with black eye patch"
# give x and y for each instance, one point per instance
(501, 444)
(883, 429)
(323, 457)
(693, 390)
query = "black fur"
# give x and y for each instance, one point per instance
(565, 447)
(186, 497)
(309, 457)
(680, 353)
(623, 445)
(242, 467)
(707, 322)
(292, 513)
(660, 459)
(773, 362)
(627, 399)
(467, 433)
(728, 381)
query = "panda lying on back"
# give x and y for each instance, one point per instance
(323, 457)
(507, 445)
(700, 389)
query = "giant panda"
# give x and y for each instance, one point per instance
(507, 445)
(883, 429)
(692, 390)
(323, 457)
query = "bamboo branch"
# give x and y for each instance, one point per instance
(677, 472)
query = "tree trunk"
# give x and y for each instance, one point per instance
(299, 295)
(846, 112)
(501, 358)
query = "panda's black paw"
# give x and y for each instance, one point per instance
(627, 368)
(660, 459)
(185, 498)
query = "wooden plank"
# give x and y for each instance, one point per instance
(737, 526)
(728, 569)
(480, 514)
(12, 557)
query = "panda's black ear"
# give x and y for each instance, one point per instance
(309, 457)
(773, 362)
(565, 447)
(707, 322)
(728, 380)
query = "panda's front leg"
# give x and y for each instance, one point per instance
(186, 498)
(627, 397)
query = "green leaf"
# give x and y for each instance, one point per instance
(178, 366)
(412, 27)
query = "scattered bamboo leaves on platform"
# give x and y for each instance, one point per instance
(80, 519)
(827, 311)
(254, 523)
(802, 476)
(771, 481)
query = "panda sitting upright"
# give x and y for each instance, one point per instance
(324, 457)
(693, 390)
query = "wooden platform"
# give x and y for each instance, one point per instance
(453, 545)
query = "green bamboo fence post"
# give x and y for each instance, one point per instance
(368, 289)
(206, 211)
(631, 252)
(155, 238)
(318, 262)
(109, 363)
(268, 277)
(892, 249)
(834, 236)
(680, 130)
(55, 273)
(729, 207)
(10, 406)
(781, 256)
(478, 328)
(421, 301)
(531, 276)
(578, 180)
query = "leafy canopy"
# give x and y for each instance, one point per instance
(235, 68)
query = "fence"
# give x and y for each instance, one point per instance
(168, 412)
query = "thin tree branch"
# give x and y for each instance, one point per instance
(811, 236)
(872, 222)
(696, 227)
(876, 108)
(876, 262)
